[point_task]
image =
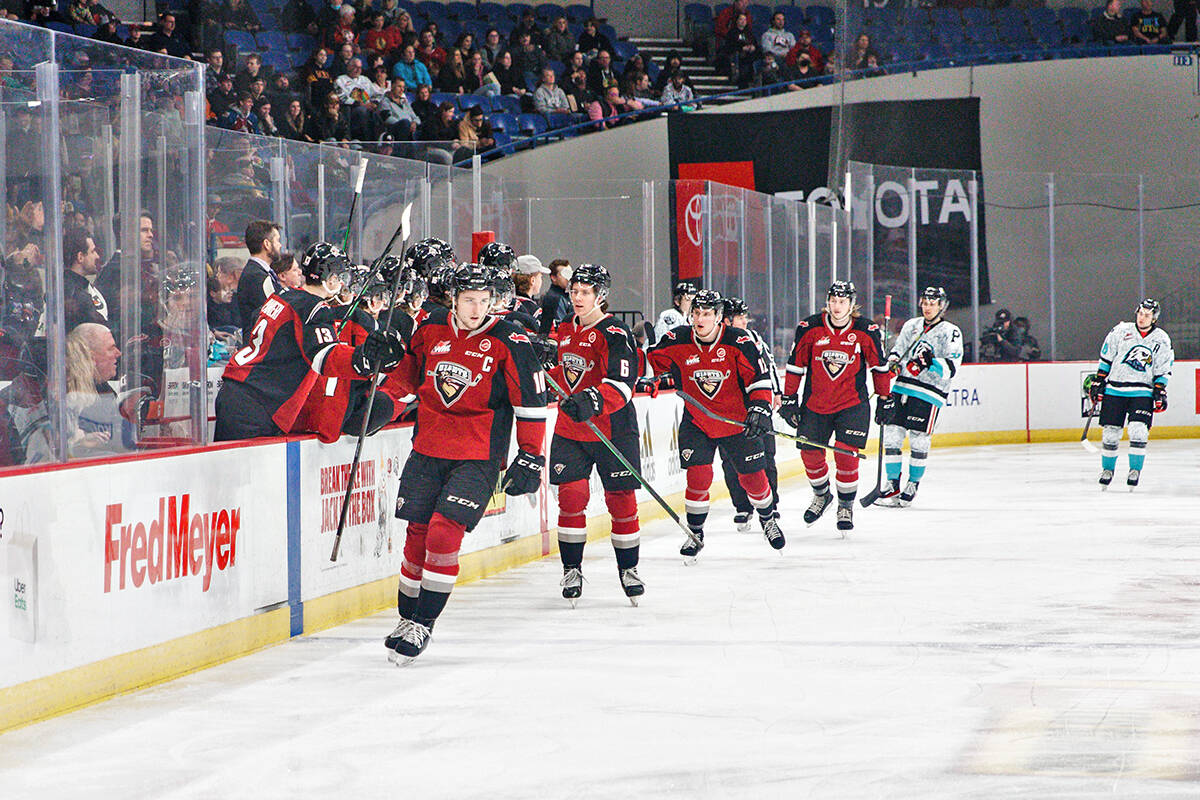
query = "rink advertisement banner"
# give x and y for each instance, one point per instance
(135, 553)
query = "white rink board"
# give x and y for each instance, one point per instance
(73, 512)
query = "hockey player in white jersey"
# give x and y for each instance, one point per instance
(926, 354)
(677, 314)
(1131, 383)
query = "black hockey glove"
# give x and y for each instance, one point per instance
(546, 350)
(382, 349)
(524, 474)
(921, 360)
(789, 410)
(584, 405)
(647, 385)
(1095, 387)
(758, 421)
(1160, 397)
(884, 405)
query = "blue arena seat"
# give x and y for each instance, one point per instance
(493, 12)
(816, 15)
(462, 11)
(272, 40)
(532, 124)
(506, 103)
(466, 101)
(243, 41)
(437, 98)
(697, 12)
(503, 121)
(579, 13)
(623, 51)
(548, 12)
(301, 43)
(277, 60)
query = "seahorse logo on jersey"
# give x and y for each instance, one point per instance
(452, 381)
(709, 381)
(834, 362)
(1138, 358)
(574, 368)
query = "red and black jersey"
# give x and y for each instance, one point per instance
(520, 318)
(530, 307)
(429, 309)
(836, 362)
(602, 355)
(292, 345)
(325, 408)
(469, 386)
(724, 375)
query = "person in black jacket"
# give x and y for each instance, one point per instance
(82, 302)
(258, 281)
(556, 305)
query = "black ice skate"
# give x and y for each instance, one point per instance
(412, 643)
(691, 549)
(572, 584)
(1106, 476)
(889, 494)
(817, 507)
(1134, 476)
(632, 584)
(910, 492)
(393, 638)
(845, 517)
(772, 532)
(742, 520)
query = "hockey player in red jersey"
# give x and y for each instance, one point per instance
(721, 367)
(597, 364)
(473, 373)
(433, 260)
(835, 350)
(292, 348)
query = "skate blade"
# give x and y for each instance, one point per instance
(573, 601)
(400, 661)
(1132, 486)
(689, 561)
(743, 528)
(633, 601)
(1104, 487)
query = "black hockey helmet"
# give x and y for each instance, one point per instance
(936, 293)
(708, 298)
(356, 279)
(413, 289)
(735, 306)
(438, 282)
(593, 275)
(842, 289)
(473, 278)
(1003, 315)
(427, 255)
(389, 265)
(1151, 305)
(683, 289)
(498, 256)
(504, 288)
(322, 261)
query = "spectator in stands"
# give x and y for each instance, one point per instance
(137, 38)
(551, 101)
(1147, 26)
(79, 12)
(396, 114)
(241, 116)
(1023, 344)
(287, 271)
(424, 107)
(378, 38)
(638, 90)
(528, 57)
(329, 16)
(479, 76)
(223, 97)
(801, 74)
(511, 80)
(409, 69)
(527, 25)
(474, 133)
(771, 73)
(600, 73)
(109, 279)
(343, 55)
(280, 93)
(674, 64)
(258, 90)
(592, 40)
(728, 18)
(739, 51)
(1185, 14)
(238, 15)
(677, 91)
(390, 9)
(298, 16)
(1112, 27)
(578, 94)
(443, 129)
(328, 125)
(82, 302)
(345, 32)
(635, 64)
(106, 31)
(316, 77)
(408, 32)
(167, 39)
(465, 44)
(266, 123)
(805, 46)
(605, 110)
(257, 281)
(222, 313)
(248, 73)
(556, 305)
(294, 124)
(355, 91)
(432, 55)
(559, 44)
(776, 39)
(97, 421)
(493, 46)
(574, 62)
(214, 66)
(861, 53)
(453, 75)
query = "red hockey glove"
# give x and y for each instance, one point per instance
(1160, 397)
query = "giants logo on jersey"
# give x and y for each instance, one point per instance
(1138, 358)
(452, 381)
(709, 381)
(574, 368)
(835, 361)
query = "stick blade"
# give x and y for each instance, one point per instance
(870, 497)
(1087, 445)
(405, 222)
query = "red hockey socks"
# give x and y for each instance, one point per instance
(441, 567)
(410, 569)
(758, 490)
(847, 474)
(622, 507)
(815, 467)
(695, 498)
(572, 521)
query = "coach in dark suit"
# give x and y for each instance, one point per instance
(258, 281)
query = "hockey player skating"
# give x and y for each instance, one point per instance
(597, 364)
(835, 350)
(737, 315)
(677, 315)
(293, 347)
(723, 369)
(927, 354)
(473, 373)
(1131, 383)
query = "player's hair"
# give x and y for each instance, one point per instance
(257, 232)
(283, 263)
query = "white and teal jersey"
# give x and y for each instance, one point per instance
(932, 384)
(1135, 362)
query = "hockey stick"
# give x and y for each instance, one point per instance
(401, 230)
(405, 230)
(687, 398)
(873, 495)
(362, 173)
(612, 448)
(1083, 439)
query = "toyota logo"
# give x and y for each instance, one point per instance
(694, 219)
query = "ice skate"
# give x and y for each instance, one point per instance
(1106, 476)
(845, 517)
(742, 520)
(772, 532)
(632, 584)
(393, 638)
(412, 643)
(910, 492)
(817, 507)
(1132, 481)
(572, 584)
(691, 549)
(889, 494)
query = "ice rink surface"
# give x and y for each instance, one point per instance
(1016, 633)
